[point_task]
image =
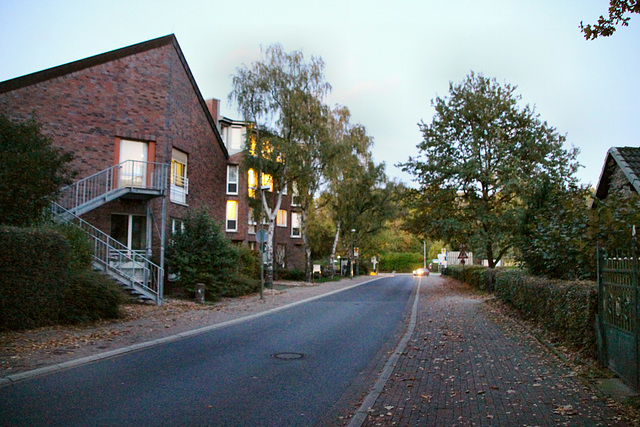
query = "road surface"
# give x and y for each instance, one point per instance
(293, 367)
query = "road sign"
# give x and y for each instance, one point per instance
(463, 255)
(261, 236)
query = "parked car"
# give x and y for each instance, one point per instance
(421, 272)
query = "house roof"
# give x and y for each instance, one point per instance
(625, 158)
(71, 67)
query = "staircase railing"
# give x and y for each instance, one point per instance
(114, 258)
(131, 174)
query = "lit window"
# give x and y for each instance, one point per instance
(296, 231)
(267, 182)
(252, 180)
(232, 215)
(179, 180)
(281, 219)
(232, 179)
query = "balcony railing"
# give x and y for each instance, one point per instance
(131, 175)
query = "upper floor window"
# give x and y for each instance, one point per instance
(296, 230)
(232, 179)
(295, 195)
(252, 223)
(179, 180)
(281, 218)
(232, 215)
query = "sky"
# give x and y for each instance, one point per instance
(386, 61)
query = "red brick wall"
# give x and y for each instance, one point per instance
(146, 96)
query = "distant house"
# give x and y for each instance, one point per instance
(240, 225)
(621, 172)
(147, 150)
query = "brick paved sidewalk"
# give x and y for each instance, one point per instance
(460, 368)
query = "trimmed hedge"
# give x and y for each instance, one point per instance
(34, 265)
(566, 308)
(400, 262)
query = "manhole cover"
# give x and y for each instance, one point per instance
(288, 356)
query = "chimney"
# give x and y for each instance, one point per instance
(214, 108)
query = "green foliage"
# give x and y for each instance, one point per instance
(565, 308)
(35, 271)
(200, 253)
(90, 296)
(618, 10)
(474, 275)
(31, 170)
(400, 262)
(479, 157)
(557, 235)
(295, 275)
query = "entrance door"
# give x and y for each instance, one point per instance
(130, 230)
(133, 163)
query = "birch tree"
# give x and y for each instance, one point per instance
(281, 96)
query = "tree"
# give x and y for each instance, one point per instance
(200, 253)
(282, 97)
(480, 156)
(557, 235)
(607, 26)
(32, 172)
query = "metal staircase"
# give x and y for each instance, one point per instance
(131, 179)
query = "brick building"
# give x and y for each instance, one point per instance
(146, 147)
(240, 224)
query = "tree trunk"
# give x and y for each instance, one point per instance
(492, 265)
(332, 257)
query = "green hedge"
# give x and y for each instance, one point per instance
(34, 265)
(566, 308)
(400, 262)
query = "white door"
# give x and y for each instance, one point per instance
(133, 163)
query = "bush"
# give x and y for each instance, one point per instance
(35, 270)
(566, 308)
(32, 172)
(91, 296)
(400, 262)
(201, 253)
(296, 275)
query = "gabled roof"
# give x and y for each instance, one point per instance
(625, 158)
(71, 67)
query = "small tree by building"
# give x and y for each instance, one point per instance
(32, 171)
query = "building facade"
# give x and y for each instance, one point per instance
(146, 147)
(240, 224)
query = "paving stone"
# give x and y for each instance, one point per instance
(462, 368)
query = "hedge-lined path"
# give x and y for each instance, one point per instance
(463, 368)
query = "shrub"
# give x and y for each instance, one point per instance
(201, 253)
(297, 275)
(400, 262)
(35, 270)
(91, 296)
(566, 308)
(32, 172)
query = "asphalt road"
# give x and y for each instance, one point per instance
(293, 367)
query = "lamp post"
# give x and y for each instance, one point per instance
(353, 255)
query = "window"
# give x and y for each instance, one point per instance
(295, 195)
(267, 182)
(296, 231)
(252, 223)
(130, 230)
(252, 180)
(179, 182)
(177, 225)
(281, 255)
(281, 218)
(232, 179)
(232, 215)
(133, 163)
